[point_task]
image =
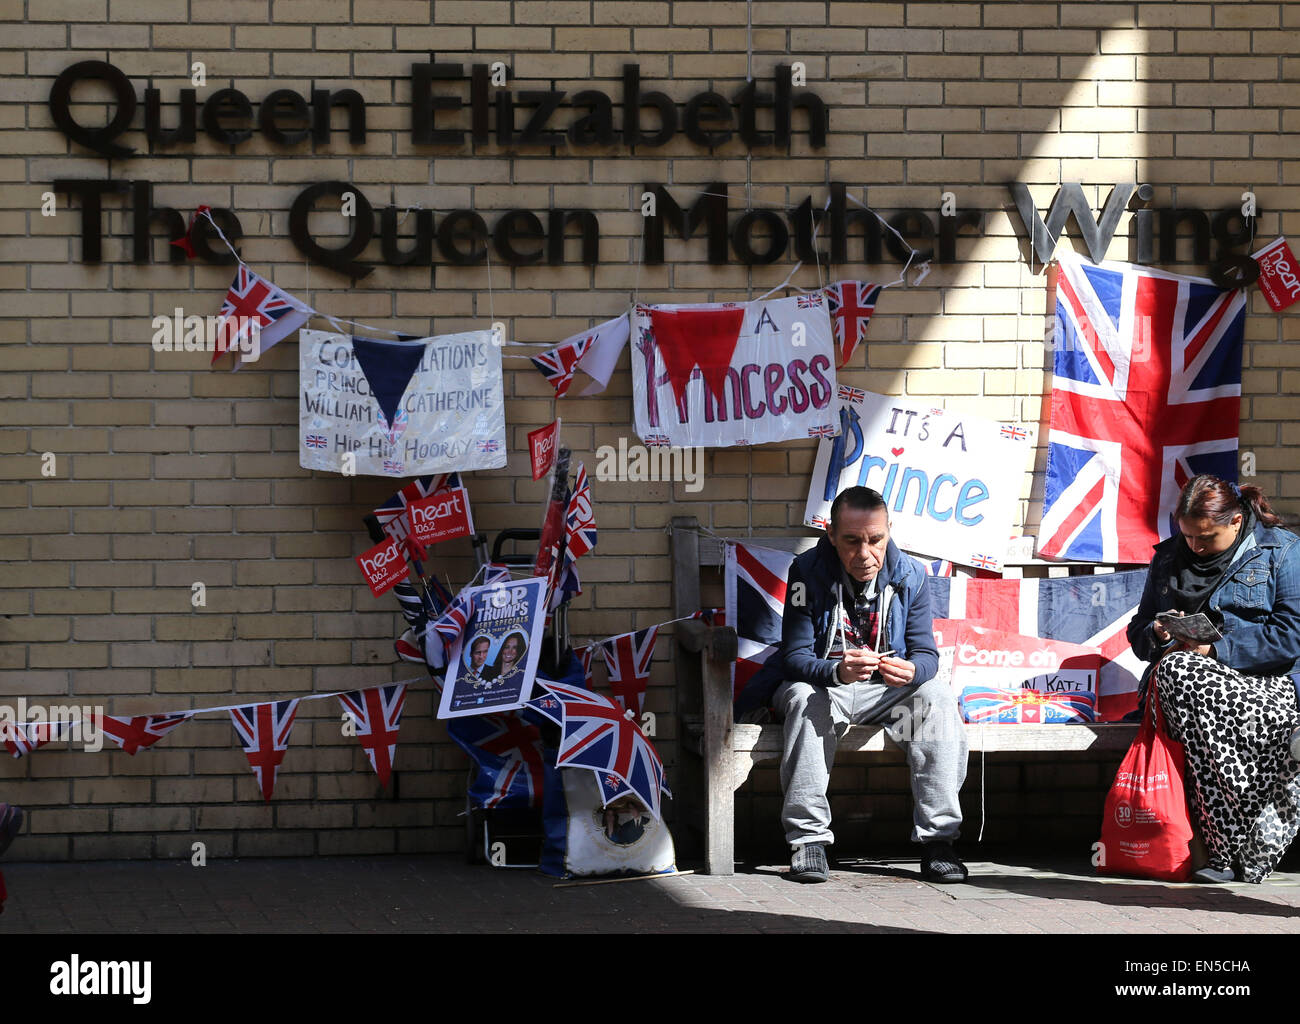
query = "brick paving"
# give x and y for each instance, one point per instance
(421, 894)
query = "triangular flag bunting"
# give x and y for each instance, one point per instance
(377, 713)
(263, 730)
(133, 734)
(851, 304)
(687, 338)
(627, 658)
(388, 367)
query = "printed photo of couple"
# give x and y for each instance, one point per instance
(487, 660)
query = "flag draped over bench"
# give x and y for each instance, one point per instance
(1089, 610)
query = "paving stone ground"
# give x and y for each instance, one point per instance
(442, 894)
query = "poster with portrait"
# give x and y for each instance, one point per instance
(492, 665)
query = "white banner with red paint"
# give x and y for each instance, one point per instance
(722, 374)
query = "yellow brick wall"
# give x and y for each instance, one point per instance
(167, 473)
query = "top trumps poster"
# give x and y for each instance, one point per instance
(400, 408)
(733, 373)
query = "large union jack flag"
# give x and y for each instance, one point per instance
(377, 713)
(263, 731)
(557, 364)
(254, 300)
(755, 584)
(508, 754)
(851, 304)
(133, 734)
(627, 658)
(1146, 394)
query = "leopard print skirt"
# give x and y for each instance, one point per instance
(1242, 784)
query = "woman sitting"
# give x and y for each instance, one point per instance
(1232, 703)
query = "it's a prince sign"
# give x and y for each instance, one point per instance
(950, 481)
(400, 408)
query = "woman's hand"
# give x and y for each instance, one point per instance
(1162, 634)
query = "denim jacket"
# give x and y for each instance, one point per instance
(1259, 599)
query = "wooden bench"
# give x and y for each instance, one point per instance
(719, 754)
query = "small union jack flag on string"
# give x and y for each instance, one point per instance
(984, 561)
(315, 441)
(21, 739)
(133, 734)
(377, 713)
(825, 430)
(852, 394)
(627, 658)
(809, 301)
(851, 304)
(1015, 433)
(657, 441)
(252, 300)
(557, 364)
(263, 730)
(488, 446)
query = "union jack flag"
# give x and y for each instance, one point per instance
(600, 736)
(852, 394)
(508, 754)
(851, 304)
(821, 522)
(1146, 394)
(396, 468)
(254, 300)
(315, 441)
(580, 519)
(263, 730)
(452, 622)
(657, 441)
(627, 658)
(825, 430)
(377, 713)
(809, 301)
(1027, 707)
(557, 364)
(742, 441)
(132, 734)
(755, 582)
(983, 561)
(21, 739)
(488, 447)
(398, 427)
(585, 656)
(1015, 433)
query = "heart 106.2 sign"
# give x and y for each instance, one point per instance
(383, 566)
(441, 516)
(950, 482)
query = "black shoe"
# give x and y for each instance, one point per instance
(808, 864)
(1214, 876)
(11, 821)
(939, 863)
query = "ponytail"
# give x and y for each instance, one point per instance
(1253, 497)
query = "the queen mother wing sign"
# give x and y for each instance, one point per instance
(400, 408)
(733, 373)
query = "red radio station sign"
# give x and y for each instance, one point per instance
(1279, 274)
(541, 448)
(383, 566)
(440, 516)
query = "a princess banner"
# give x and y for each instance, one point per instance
(400, 408)
(733, 373)
(950, 481)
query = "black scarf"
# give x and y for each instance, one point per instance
(1193, 579)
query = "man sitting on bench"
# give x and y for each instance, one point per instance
(857, 641)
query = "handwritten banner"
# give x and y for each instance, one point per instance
(397, 409)
(950, 482)
(733, 373)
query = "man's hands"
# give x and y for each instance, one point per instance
(859, 665)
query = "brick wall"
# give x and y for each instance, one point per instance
(166, 473)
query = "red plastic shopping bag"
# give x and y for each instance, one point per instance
(1146, 828)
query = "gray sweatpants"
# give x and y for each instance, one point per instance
(923, 720)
